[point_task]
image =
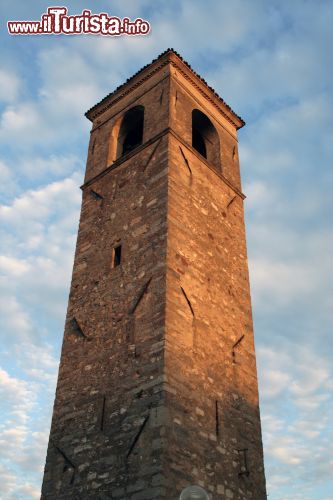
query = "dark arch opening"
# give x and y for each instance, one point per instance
(131, 131)
(198, 142)
(205, 138)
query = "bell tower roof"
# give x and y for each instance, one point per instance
(169, 56)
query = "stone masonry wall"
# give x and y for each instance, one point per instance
(214, 438)
(154, 95)
(157, 384)
(106, 427)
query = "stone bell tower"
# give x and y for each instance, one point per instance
(157, 386)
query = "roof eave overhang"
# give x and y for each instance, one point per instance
(170, 56)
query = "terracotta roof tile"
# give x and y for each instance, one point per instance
(123, 85)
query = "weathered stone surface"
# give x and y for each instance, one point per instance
(157, 384)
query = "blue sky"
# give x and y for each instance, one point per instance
(272, 61)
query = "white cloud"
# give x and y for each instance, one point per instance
(9, 85)
(296, 409)
(274, 383)
(283, 147)
(12, 266)
(288, 452)
(69, 84)
(21, 120)
(312, 403)
(313, 378)
(37, 362)
(48, 121)
(55, 165)
(17, 398)
(15, 321)
(23, 429)
(37, 205)
(40, 225)
(8, 185)
(292, 61)
(68, 87)
(290, 270)
(278, 282)
(26, 491)
(295, 370)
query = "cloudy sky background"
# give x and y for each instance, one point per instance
(272, 62)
